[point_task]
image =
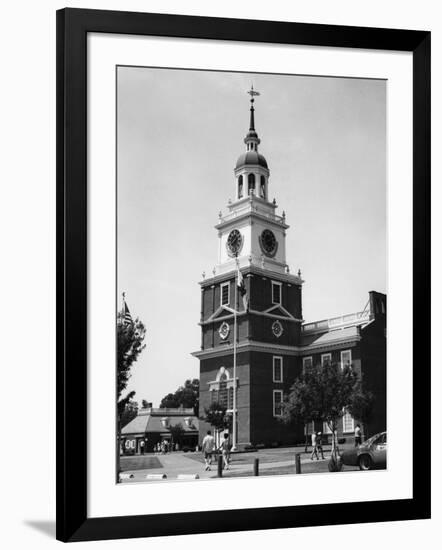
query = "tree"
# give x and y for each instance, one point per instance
(128, 410)
(130, 337)
(130, 343)
(186, 396)
(324, 393)
(361, 404)
(215, 415)
(145, 404)
(177, 432)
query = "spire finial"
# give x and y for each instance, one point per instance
(252, 94)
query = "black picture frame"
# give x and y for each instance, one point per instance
(73, 25)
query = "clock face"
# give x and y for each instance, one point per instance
(224, 330)
(234, 242)
(277, 329)
(268, 242)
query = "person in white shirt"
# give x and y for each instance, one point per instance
(358, 435)
(315, 447)
(207, 448)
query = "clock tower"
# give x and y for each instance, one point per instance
(259, 368)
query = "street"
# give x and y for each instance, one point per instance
(277, 461)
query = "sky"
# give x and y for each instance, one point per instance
(179, 134)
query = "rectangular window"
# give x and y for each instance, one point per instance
(277, 403)
(326, 359)
(276, 292)
(225, 294)
(307, 362)
(230, 399)
(348, 423)
(277, 369)
(309, 428)
(346, 358)
(214, 396)
(325, 428)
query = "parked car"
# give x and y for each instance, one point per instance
(369, 455)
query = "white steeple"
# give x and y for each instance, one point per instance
(251, 231)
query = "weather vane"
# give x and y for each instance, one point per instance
(252, 93)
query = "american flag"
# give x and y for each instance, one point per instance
(126, 317)
(242, 288)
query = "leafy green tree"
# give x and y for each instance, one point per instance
(145, 404)
(177, 432)
(130, 343)
(186, 396)
(323, 394)
(130, 410)
(215, 415)
(361, 404)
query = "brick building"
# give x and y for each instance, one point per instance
(152, 426)
(273, 341)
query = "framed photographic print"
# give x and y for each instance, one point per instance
(236, 200)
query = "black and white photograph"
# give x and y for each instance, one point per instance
(251, 307)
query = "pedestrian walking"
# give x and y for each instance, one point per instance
(207, 447)
(315, 448)
(358, 435)
(225, 451)
(319, 444)
(142, 447)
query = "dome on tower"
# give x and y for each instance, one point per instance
(251, 157)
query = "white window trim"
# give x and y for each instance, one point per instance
(282, 367)
(274, 402)
(280, 292)
(344, 431)
(325, 356)
(304, 359)
(309, 428)
(342, 353)
(325, 429)
(228, 293)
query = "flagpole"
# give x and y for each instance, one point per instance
(234, 361)
(118, 450)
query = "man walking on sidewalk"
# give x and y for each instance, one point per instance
(358, 436)
(315, 447)
(225, 450)
(319, 445)
(207, 448)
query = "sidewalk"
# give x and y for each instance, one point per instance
(175, 464)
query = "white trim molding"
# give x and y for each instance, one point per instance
(222, 286)
(277, 283)
(343, 352)
(281, 366)
(280, 392)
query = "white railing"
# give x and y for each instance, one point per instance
(249, 209)
(334, 322)
(167, 412)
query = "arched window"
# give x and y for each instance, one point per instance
(251, 181)
(263, 187)
(240, 187)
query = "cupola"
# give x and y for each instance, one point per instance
(251, 168)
